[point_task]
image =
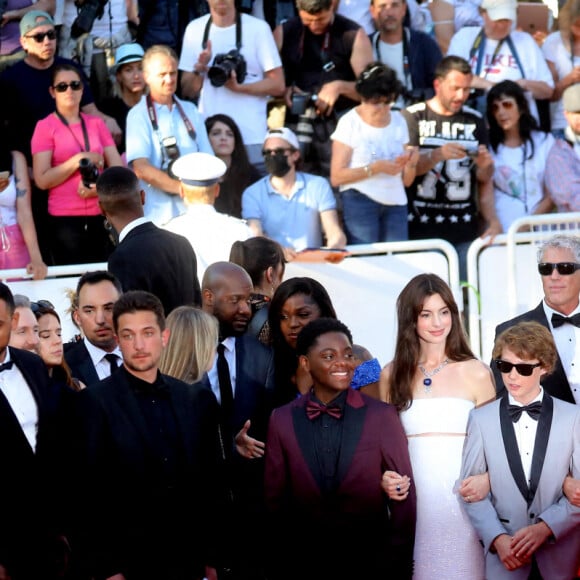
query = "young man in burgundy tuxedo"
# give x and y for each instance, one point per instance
(325, 454)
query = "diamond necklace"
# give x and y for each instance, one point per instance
(428, 374)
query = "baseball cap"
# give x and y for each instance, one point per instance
(500, 9)
(34, 19)
(199, 169)
(127, 53)
(283, 133)
(571, 99)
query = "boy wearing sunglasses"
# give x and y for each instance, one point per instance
(529, 443)
(559, 312)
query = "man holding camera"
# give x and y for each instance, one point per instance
(161, 128)
(412, 54)
(323, 53)
(230, 62)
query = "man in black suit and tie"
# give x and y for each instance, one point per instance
(146, 257)
(96, 355)
(559, 312)
(148, 461)
(25, 415)
(242, 378)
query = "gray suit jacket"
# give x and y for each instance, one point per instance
(491, 446)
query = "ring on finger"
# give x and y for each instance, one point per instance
(398, 488)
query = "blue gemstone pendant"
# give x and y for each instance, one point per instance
(427, 382)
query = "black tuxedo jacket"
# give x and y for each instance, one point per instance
(24, 481)
(131, 519)
(80, 362)
(556, 383)
(160, 262)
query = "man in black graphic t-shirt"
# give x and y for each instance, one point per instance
(454, 174)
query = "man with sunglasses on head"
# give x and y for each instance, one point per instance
(25, 334)
(559, 312)
(289, 206)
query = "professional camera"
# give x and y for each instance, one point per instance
(301, 101)
(224, 64)
(171, 151)
(89, 11)
(89, 172)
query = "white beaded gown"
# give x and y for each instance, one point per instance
(446, 545)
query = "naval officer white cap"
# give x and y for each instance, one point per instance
(199, 169)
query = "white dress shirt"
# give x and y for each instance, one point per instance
(19, 396)
(230, 354)
(567, 339)
(100, 363)
(525, 430)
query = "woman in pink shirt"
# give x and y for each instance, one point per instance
(69, 150)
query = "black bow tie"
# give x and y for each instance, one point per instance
(6, 366)
(558, 320)
(533, 410)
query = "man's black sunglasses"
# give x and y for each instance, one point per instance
(40, 36)
(564, 268)
(524, 369)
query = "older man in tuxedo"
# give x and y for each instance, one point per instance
(528, 443)
(559, 312)
(325, 455)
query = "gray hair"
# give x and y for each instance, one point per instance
(21, 301)
(565, 242)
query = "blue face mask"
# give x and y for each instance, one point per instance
(366, 373)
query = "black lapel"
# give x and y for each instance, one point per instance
(352, 425)
(541, 443)
(305, 437)
(511, 448)
(182, 405)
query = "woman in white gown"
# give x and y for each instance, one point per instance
(435, 380)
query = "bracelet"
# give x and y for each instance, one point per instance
(368, 170)
(199, 73)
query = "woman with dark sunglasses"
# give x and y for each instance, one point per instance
(519, 150)
(69, 150)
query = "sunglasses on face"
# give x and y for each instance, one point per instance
(277, 151)
(564, 268)
(524, 369)
(39, 37)
(63, 87)
(40, 304)
(497, 105)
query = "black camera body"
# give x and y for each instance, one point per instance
(89, 11)
(301, 101)
(171, 151)
(89, 172)
(224, 64)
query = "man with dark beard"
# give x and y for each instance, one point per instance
(294, 208)
(242, 380)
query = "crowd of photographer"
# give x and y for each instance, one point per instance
(309, 67)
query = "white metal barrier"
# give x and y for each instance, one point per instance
(363, 287)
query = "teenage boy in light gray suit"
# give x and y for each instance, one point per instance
(528, 442)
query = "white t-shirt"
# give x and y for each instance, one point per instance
(519, 185)
(261, 55)
(505, 65)
(556, 53)
(370, 144)
(359, 11)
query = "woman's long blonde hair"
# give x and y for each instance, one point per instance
(192, 343)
